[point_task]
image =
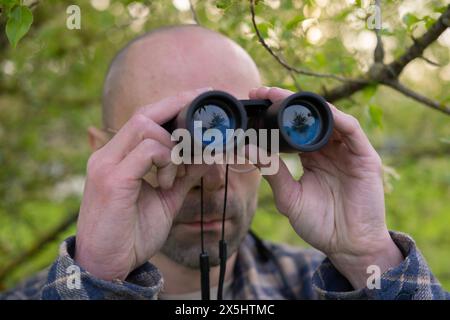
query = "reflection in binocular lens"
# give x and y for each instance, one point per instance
(302, 124)
(213, 117)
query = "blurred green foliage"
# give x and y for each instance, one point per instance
(50, 88)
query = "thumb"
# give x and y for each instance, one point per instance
(285, 188)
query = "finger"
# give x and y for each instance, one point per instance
(351, 133)
(181, 172)
(167, 175)
(335, 136)
(152, 176)
(255, 93)
(191, 178)
(271, 93)
(281, 181)
(166, 109)
(135, 130)
(146, 154)
(284, 187)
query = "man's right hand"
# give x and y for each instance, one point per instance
(123, 220)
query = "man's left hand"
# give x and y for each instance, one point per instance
(337, 206)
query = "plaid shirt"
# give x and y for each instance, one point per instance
(263, 271)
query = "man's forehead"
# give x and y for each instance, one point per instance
(166, 63)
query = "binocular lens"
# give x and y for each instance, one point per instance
(302, 123)
(213, 116)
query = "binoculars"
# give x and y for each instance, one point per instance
(304, 119)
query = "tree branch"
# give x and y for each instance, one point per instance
(379, 73)
(287, 66)
(344, 91)
(295, 81)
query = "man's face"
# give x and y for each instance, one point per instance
(183, 243)
(162, 66)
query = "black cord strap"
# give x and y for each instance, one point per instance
(204, 257)
(222, 243)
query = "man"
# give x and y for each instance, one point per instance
(138, 228)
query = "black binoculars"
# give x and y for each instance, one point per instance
(304, 119)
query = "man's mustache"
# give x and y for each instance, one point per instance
(212, 207)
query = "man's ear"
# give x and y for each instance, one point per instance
(97, 138)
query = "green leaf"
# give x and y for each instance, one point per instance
(429, 21)
(369, 92)
(6, 5)
(387, 32)
(223, 4)
(293, 23)
(409, 19)
(263, 28)
(19, 22)
(376, 115)
(440, 9)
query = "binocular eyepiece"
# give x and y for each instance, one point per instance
(304, 119)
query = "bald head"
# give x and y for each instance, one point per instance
(169, 60)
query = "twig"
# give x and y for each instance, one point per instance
(194, 13)
(284, 63)
(388, 74)
(33, 4)
(378, 55)
(395, 84)
(420, 44)
(435, 64)
(294, 79)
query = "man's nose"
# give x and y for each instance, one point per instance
(214, 178)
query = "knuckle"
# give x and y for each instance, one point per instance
(93, 164)
(150, 148)
(378, 162)
(101, 177)
(272, 90)
(151, 129)
(139, 121)
(354, 124)
(97, 168)
(373, 163)
(155, 148)
(150, 144)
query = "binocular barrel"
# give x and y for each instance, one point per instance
(304, 119)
